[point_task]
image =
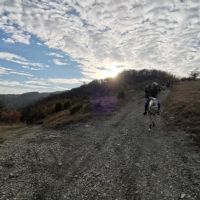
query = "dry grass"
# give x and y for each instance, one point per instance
(184, 106)
(10, 127)
(6, 130)
(63, 118)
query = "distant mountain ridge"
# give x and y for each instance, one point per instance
(18, 101)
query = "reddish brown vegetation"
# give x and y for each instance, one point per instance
(10, 116)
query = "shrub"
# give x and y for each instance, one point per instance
(121, 95)
(58, 107)
(75, 108)
(1, 105)
(67, 104)
(10, 116)
(87, 108)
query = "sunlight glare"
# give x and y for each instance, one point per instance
(112, 72)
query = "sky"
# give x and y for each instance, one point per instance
(57, 45)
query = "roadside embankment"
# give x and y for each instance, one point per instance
(183, 108)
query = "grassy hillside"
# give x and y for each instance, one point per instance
(183, 105)
(96, 97)
(17, 101)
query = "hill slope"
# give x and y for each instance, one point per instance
(97, 96)
(17, 101)
(183, 107)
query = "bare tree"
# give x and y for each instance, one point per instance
(194, 74)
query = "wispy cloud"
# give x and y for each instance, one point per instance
(9, 83)
(8, 40)
(55, 55)
(68, 81)
(18, 37)
(19, 60)
(16, 87)
(8, 71)
(21, 74)
(4, 70)
(59, 62)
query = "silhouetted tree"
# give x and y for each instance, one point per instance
(194, 74)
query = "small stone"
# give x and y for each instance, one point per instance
(59, 164)
(11, 175)
(137, 164)
(183, 195)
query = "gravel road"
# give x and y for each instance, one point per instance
(109, 158)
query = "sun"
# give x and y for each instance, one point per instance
(112, 72)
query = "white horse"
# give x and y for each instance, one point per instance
(153, 111)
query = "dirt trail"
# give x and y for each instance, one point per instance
(106, 158)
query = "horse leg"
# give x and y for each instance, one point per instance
(153, 124)
(150, 122)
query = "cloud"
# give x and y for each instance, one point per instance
(19, 60)
(38, 82)
(8, 40)
(25, 39)
(133, 34)
(58, 84)
(9, 83)
(68, 81)
(21, 74)
(55, 55)
(16, 87)
(4, 70)
(31, 68)
(58, 62)
(12, 57)
(8, 71)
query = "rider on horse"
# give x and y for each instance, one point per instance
(153, 93)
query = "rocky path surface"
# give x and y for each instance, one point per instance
(110, 158)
